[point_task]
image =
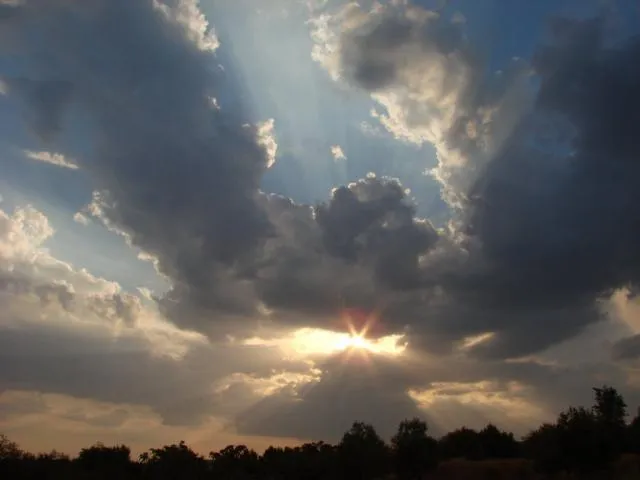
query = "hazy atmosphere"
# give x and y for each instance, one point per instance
(258, 221)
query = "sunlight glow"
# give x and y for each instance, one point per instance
(473, 341)
(310, 341)
(351, 335)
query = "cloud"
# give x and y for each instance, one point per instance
(56, 159)
(81, 218)
(627, 349)
(447, 391)
(241, 262)
(69, 333)
(27, 270)
(338, 154)
(518, 163)
(429, 83)
(535, 161)
(267, 140)
(45, 102)
(154, 118)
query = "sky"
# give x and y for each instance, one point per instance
(260, 221)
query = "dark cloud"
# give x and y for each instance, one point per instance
(362, 244)
(8, 10)
(549, 218)
(627, 348)
(45, 102)
(178, 177)
(89, 362)
(543, 180)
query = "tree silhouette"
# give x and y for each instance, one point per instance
(611, 412)
(173, 462)
(633, 436)
(543, 446)
(461, 443)
(582, 446)
(582, 440)
(414, 452)
(495, 443)
(9, 450)
(312, 461)
(363, 455)
(102, 461)
(235, 462)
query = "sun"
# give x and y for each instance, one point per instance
(351, 341)
(354, 332)
(358, 325)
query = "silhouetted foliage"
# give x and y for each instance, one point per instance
(9, 450)
(611, 412)
(173, 462)
(633, 436)
(313, 461)
(495, 443)
(414, 452)
(106, 462)
(581, 442)
(235, 462)
(461, 443)
(362, 454)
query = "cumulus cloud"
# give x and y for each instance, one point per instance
(156, 118)
(518, 163)
(267, 139)
(338, 154)
(428, 81)
(56, 159)
(28, 271)
(242, 261)
(536, 162)
(81, 218)
(67, 332)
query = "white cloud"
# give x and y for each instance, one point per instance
(435, 91)
(338, 153)
(57, 159)
(37, 287)
(187, 13)
(81, 218)
(95, 330)
(267, 139)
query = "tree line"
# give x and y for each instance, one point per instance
(580, 442)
